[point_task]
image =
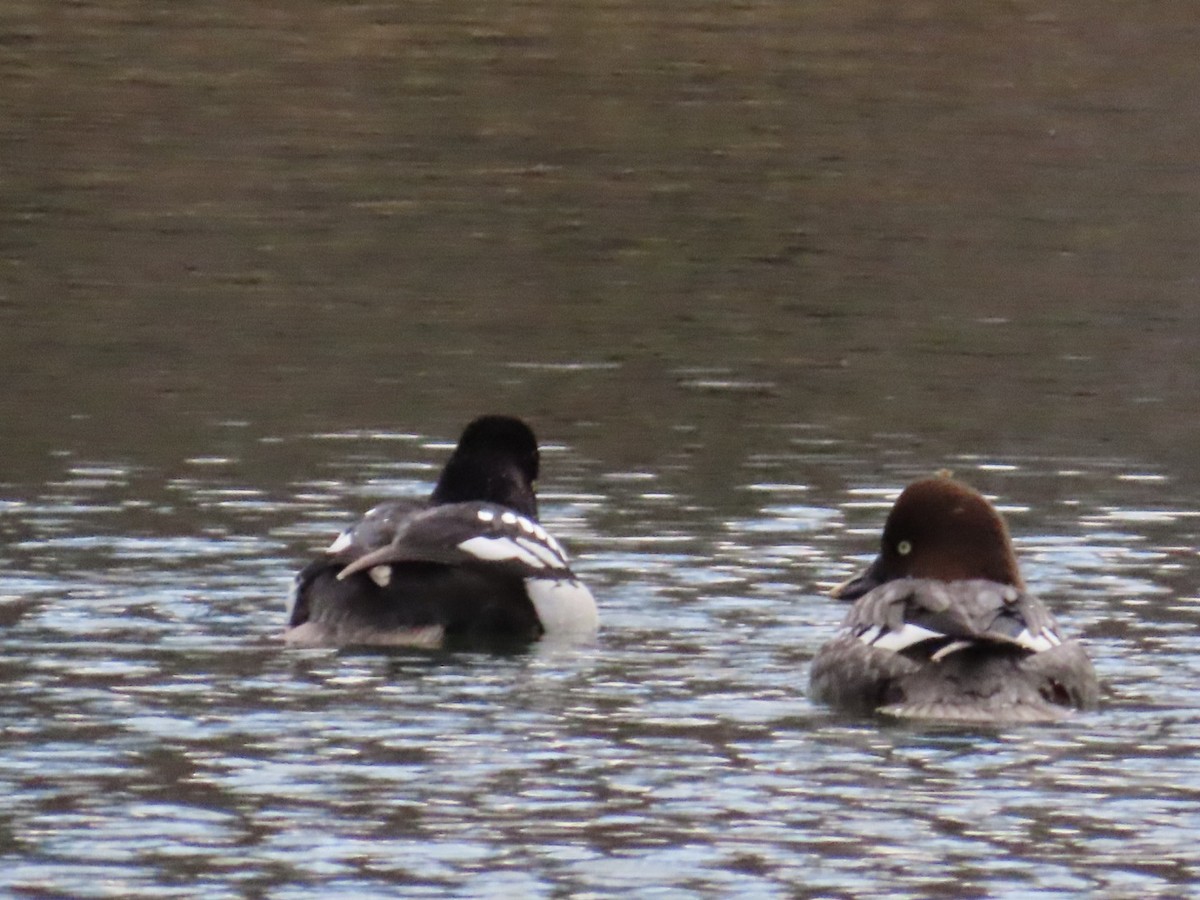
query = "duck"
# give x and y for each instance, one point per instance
(471, 563)
(943, 627)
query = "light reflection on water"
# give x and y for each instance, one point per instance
(160, 741)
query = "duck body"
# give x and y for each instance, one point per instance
(472, 563)
(973, 646)
(961, 650)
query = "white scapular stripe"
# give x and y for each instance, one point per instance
(553, 544)
(498, 548)
(907, 636)
(542, 552)
(563, 605)
(952, 647)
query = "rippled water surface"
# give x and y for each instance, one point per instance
(159, 740)
(748, 269)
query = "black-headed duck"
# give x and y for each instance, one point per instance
(472, 562)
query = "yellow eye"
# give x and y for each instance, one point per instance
(904, 548)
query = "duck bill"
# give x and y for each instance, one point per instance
(863, 583)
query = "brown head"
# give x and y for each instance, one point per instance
(939, 529)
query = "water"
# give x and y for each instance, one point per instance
(748, 271)
(160, 741)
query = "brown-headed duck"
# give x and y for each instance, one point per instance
(470, 563)
(942, 626)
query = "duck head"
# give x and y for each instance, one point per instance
(496, 461)
(940, 529)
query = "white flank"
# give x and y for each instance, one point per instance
(340, 543)
(499, 548)
(907, 636)
(563, 605)
(381, 575)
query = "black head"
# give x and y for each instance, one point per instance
(941, 529)
(496, 461)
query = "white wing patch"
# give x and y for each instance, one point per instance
(868, 636)
(554, 545)
(904, 638)
(563, 605)
(340, 543)
(542, 552)
(381, 575)
(535, 547)
(910, 635)
(539, 533)
(498, 548)
(1043, 640)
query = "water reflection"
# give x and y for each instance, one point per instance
(161, 739)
